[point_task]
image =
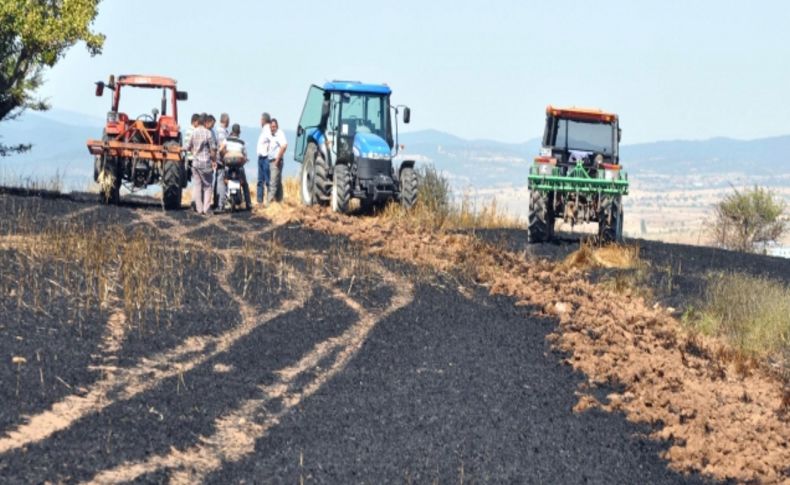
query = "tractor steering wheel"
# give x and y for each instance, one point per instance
(146, 117)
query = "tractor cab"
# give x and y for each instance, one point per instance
(351, 121)
(346, 141)
(578, 177)
(153, 127)
(574, 135)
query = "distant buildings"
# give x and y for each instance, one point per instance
(780, 251)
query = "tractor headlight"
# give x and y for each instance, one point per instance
(545, 169)
(545, 152)
(112, 117)
(545, 165)
(611, 172)
(376, 156)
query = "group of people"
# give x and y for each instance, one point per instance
(211, 148)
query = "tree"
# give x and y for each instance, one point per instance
(34, 35)
(746, 221)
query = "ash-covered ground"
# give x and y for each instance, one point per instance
(284, 355)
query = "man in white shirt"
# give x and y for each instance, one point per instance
(263, 156)
(277, 146)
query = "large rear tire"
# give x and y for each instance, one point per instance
(341, 189)
(409, 187)
(323, 184)
(172, 175)
(315, 184)
(541, 217)
(307, 187)
(610, 220)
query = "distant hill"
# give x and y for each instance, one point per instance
(58, 139)
(764, 156)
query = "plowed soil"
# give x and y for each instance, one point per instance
(316, 348)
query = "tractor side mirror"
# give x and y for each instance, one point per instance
(619, 135)
(99, 89)
(406, 115)
(155, 113)
(182, 95)
(299, 131)
(325, 108)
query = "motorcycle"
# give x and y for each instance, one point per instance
(236, 189)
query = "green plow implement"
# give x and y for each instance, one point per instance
(579, 180)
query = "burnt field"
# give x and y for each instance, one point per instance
(148, 347)
(676, 274)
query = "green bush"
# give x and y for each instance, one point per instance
(753, 314)
(747, 220)
(434, 194)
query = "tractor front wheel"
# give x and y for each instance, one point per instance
(172, 175)
(341, 189)
(610, 220)
(541, 217)
(409, 187)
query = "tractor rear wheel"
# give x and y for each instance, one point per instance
(341, 189)
(109, 179)
(307, 186)
(323, 185)
(541, 217)
(610, 220)
(315, 185)
(409, 187)
(171, 185)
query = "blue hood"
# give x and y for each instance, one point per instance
(368, 145)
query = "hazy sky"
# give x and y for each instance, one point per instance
(671, 69)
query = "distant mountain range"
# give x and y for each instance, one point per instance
(58, 139)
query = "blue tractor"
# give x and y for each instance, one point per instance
(346, 146)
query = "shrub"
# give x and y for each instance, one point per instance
(744, 221)
(434, 194)
(752, 314)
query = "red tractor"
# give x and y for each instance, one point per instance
(142, 151)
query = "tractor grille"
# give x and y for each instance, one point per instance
(368, 169)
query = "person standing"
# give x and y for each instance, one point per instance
(187, 136)
(188, 133)
(263, 156)
(277, 146)
(219, 192)
(203, 147)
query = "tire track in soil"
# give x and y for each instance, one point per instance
(238, 430)
(126, 383)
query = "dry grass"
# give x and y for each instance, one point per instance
(291, 190)
(612, 256)
(52, 185)
(436, 210)
(74, 269)
(751, 314)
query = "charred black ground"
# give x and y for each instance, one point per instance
(676, 274)
(452, 387)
